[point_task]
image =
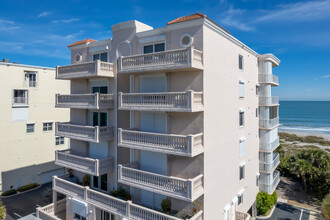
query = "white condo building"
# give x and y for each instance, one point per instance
(180, 115)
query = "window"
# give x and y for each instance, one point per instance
(154, 48)
(100, 119)
(257, 111)
(30, 128)
(257, 89)
(240, 199)
(79, 217)
(31, 78)
(241, 147)
(241, 89)
(257, 180)
(241, 172)
(100, 89)
(59, 140)
(48, 126)
(20, 97)
(241, 118)
(101, 56)
(101, 182)
(240, 62)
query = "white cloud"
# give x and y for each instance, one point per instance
(326, 77)
(6, 25)
(65, 20)
(44, 14)
(230, 19)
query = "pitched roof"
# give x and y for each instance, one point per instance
(187, 18)
(82, 42)
(193, 17)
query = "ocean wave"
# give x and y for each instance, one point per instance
(323, 130)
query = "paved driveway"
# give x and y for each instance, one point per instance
(289, 212)
(25, 204)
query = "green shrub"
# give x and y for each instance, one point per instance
(265, 202)
(326, 207)
(121, 193)
(27, 187)
(87, 180)
(2, 211)
(166, 206)
(9, 192)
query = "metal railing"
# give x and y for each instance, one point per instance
(268, 78)
(264, 146)
(270, 187)
(182, 145)
(84, 132)
(85, 101)
(20, 101)
(268, 101)
(269, 123)
(179, 58)
(189, 101)
(106, 202)
(32, 83)
(185, 189)
(82, 70)
(86, 165)
(269, 167)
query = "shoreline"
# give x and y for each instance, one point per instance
(304, 134)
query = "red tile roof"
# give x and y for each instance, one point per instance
(193, 17)
(82, 42)
(187, 18)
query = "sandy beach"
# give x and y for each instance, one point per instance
(304, 134)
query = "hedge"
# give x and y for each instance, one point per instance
(2, 211)
(9, 192)
(27, 187)
(326, 207)
(265, 202)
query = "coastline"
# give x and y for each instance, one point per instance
(304, 134)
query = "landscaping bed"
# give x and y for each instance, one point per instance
(20, 189)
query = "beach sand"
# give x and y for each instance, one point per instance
(304, 134)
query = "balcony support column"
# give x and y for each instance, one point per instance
(190, 99)
(55, 201)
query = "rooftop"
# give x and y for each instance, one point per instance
(82, 42)
(187, 18)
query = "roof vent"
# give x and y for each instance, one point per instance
(186, 40)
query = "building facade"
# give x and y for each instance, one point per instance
(160, 118)
(27, 122)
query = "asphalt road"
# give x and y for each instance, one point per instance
(289, 212)
(26, 203)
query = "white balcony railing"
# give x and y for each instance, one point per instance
(48, 212)
(182, 145)
(85, 70)
(270, 167)
(268, 101)
(86, 165)
(270, 187)
(32, 83)
(20, 101)
(189, 101)
(184, 189)
(268, 78)
(242, 216)
(83, 132)
(85, 101)
(171, 59)
(269, 147)
(125, 209)
(269, 123)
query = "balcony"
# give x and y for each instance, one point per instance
(20, 101)
(270, 167)
(242, 216)
(183, 189)
(85, 101)
(83, 164)
(269, 147)
(85, 70)
(268, 79)
(268, 101)
(181, 145)
(49, 212)
(269, 123)
(189, 101)
(180, 59)
(270, 187)
(125, 209)
(84, 132)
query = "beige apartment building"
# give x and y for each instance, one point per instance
(28, 117)
(170, 115)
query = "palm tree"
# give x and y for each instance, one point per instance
(302, 169)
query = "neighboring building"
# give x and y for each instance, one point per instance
(168, 113)
(27, 124)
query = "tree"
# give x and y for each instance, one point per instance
(2, 211)
(326, 207)
(302, 169)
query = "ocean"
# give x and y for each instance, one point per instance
(305, 116)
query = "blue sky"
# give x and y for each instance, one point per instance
(37, 32)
